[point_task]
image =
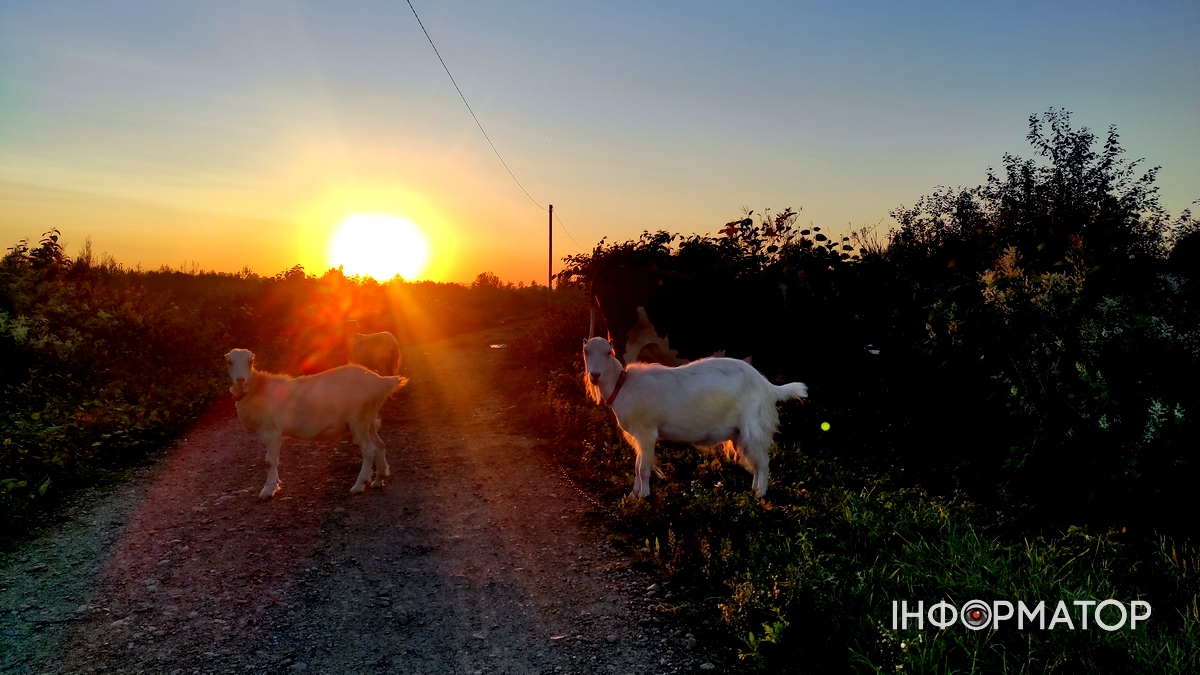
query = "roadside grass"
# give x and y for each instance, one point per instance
(804, 581)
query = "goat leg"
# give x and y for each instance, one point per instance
(382, 471)
(272, 485)
(644, 444)
(368, 454)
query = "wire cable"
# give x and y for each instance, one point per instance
(480, 125)
(564, 229)
(473, 116)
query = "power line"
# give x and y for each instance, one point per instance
(464, 100)
(480, 125)
(564, 229)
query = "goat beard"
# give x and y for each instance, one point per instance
(593, 390)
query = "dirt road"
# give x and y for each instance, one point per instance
(473, 560)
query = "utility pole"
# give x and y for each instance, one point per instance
(550, 257)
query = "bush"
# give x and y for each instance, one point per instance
(99, 364)
(1057, 321)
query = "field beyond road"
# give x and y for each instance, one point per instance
(474, 559)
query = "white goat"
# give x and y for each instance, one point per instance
(321, 407)
(710, 402)
(375, 351)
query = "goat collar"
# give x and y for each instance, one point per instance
(617, 389)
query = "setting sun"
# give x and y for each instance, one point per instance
(380, 246)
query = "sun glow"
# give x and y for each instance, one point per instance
(379, 246)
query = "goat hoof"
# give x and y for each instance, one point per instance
(377, 483)
(356, 490)
(266, 493)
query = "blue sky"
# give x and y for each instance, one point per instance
(167, 130)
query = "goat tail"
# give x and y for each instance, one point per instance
(792, 390)
(394, 383)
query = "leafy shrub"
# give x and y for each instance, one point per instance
(1068, 339)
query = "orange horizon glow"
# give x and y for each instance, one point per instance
(241, 137)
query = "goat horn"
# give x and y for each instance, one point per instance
(592, 324)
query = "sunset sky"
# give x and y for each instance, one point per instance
(232, 134)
